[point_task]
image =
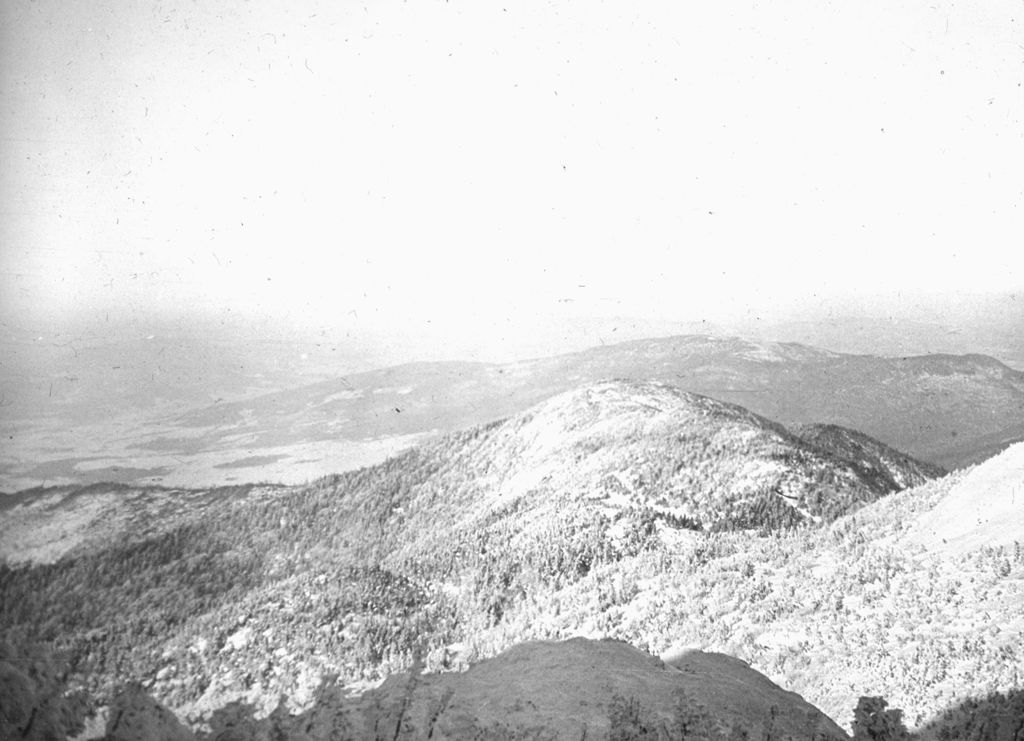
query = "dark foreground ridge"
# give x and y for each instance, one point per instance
(545, 690)
(575, 689)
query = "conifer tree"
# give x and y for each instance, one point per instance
(872, 722)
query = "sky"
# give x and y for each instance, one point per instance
(393, 164)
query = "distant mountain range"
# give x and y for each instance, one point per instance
(947, 410)
(621, 509)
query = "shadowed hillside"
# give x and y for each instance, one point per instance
(997, 716)
(44, 524)
(538, 690)
(562, 690)
(890, 468)
(575, 689)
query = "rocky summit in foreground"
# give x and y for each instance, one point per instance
(575, 689)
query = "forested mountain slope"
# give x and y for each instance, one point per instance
(861, 607)
(452, 551)
(41, 525)
(618, 447)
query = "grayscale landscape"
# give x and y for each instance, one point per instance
(448, 370)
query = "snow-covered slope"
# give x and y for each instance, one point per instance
(984, 508)
(620, 446)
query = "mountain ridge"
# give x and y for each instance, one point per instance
(944, 409)
(606, 430)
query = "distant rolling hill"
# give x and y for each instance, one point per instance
(949, 410)
(945, 409)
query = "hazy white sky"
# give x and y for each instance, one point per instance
(474, 160)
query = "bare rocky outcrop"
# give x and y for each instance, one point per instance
(135, 715)
(575, 689)
(34, 701)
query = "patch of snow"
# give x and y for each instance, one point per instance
(781, 639)
(984, 508)
(343, 396)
